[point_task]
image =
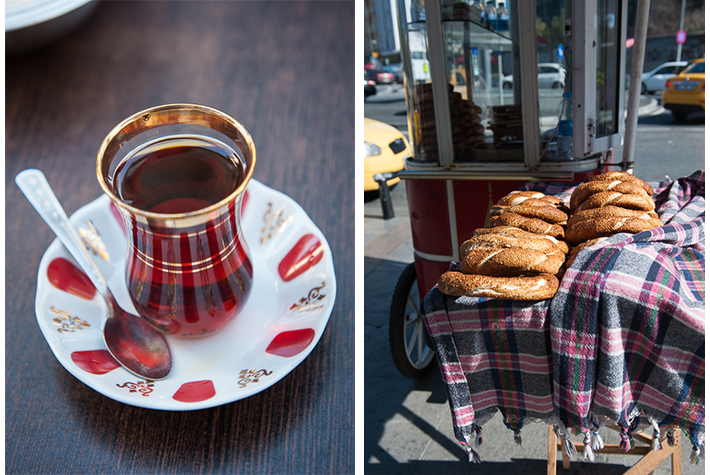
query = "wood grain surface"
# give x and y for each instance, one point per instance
(286, 71)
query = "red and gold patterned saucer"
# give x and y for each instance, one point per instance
(290, 304)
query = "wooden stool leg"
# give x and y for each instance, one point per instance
(551, 451)
(565, 457)
(646, 464)
(676, 466)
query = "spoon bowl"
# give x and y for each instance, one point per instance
(137, 346)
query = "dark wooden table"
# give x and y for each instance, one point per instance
(286, 71)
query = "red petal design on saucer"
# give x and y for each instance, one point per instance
(195, 391)
(244, 202)
(67, 277)
(291, 343)
(95, 361)
(117, 214)
(307, 252)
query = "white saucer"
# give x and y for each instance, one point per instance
(218, 369)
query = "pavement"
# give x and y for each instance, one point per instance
(408, 425)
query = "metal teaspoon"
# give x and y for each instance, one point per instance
(137, 346)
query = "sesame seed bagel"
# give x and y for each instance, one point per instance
(532, 225)
(498, 241)
(540, 287)
(538, 209)
(518, 197)
(511, 262)
(519, 233)
(623, 176)
(602, 227)
(587, 189)
(610, 212)
(622, 200)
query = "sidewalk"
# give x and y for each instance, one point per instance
(408, 425)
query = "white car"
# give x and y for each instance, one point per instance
(655, 79)
(550, 75)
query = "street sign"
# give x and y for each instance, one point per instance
(560, 51)
(680, 37)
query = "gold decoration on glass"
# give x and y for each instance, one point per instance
(171, 267)
(247, 376)
(274, 222)
(92, 241)
(144, 388)
(310, 303)
(186, 117)
(67, 323)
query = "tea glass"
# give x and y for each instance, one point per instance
(188, 267)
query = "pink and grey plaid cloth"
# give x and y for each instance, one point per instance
(623, 341)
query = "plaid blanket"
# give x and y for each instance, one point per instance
(621, 342)
(494, 355)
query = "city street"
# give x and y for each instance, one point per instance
(664, 147)
(408, 425)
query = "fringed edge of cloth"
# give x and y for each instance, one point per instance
(593, 441)
(471, 439)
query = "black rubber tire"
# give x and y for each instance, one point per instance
(644, 89)
(679, 115)
(407, 328)
(507, 85)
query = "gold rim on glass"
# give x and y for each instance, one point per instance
(174, 114)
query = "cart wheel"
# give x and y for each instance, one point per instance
(411, 347)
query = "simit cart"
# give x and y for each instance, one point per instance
(498, 96)
(533, 94)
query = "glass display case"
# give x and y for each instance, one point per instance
(510, 87)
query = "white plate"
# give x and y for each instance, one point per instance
(218, 369)
(24, 13)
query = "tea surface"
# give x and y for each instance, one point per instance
(178, 175)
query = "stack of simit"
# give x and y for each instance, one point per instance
(607, 204)
(520, 257)
(466, 128)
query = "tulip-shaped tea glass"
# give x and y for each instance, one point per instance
(177, 173)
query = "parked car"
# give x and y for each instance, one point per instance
(548, 75)
(685, 93)
(655, 79)
(385, 151)
(380, 76)
(395, 69)
(370, 89)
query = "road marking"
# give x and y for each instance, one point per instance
(659, 110)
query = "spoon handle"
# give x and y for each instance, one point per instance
(38, 192)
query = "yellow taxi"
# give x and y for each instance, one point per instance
(685, 93)
(385, 151)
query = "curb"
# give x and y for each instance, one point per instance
(650, 108)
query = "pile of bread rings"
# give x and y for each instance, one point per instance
(466, 128)
(518, 258)
(522, 256)
(607, 204)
